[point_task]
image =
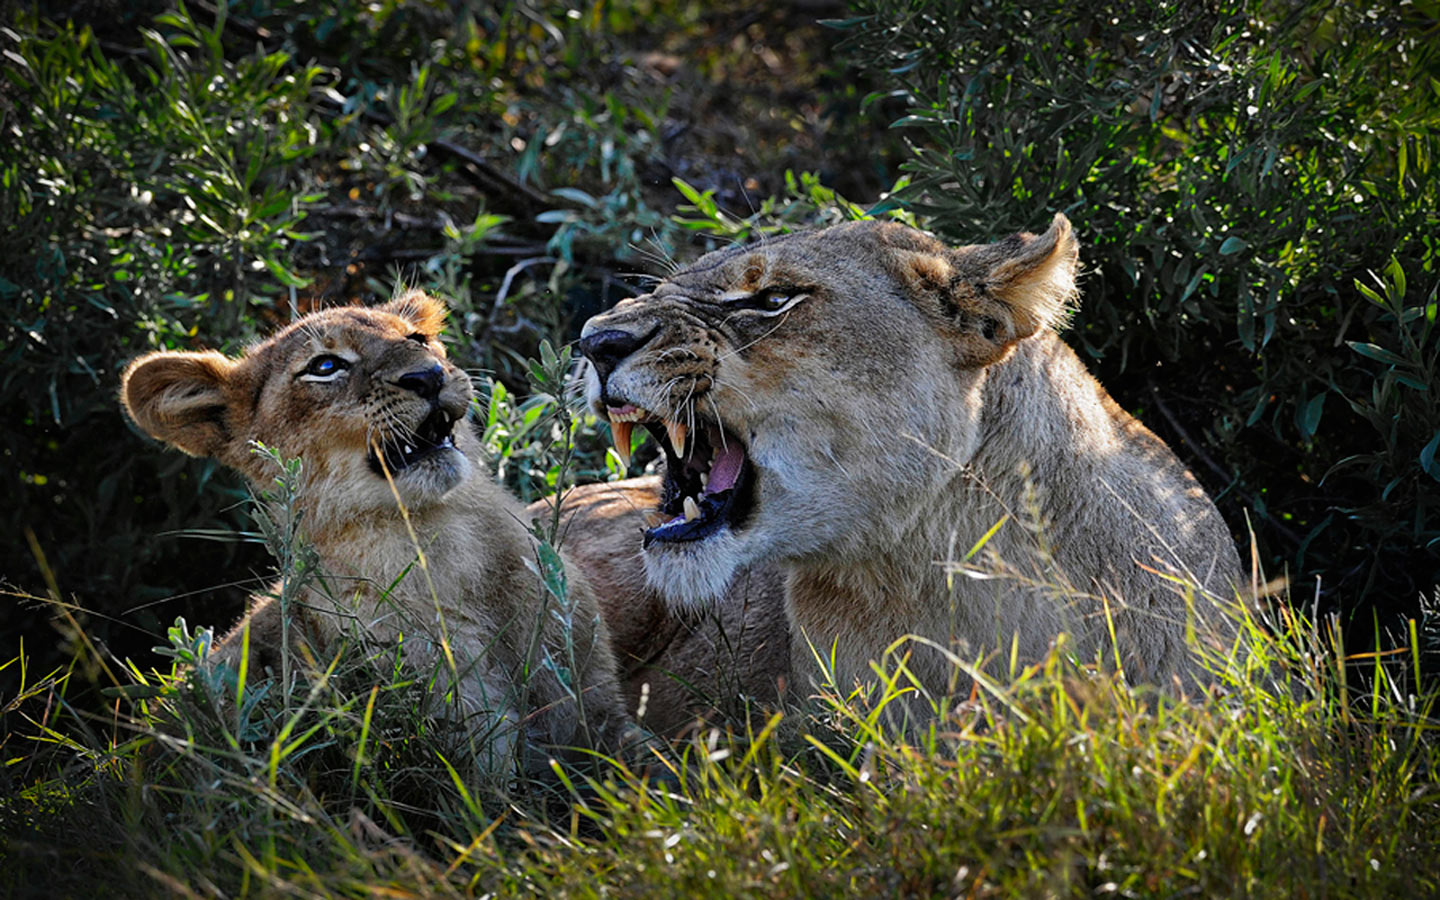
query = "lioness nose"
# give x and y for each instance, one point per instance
(425, 382)
(607, 348)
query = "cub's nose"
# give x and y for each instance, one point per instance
(425, 382)
(606, 349)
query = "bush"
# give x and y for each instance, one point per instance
(1255, 189)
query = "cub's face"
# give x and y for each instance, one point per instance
(364, 397)
(812, 391)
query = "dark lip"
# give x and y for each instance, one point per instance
(730, 507)
(434, 434)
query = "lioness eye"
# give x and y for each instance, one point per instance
(418, 338)
(772, 299)
(324, 368)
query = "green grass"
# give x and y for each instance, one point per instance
(1056, 780)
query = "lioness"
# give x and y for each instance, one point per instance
(866, 404)
(412, 540)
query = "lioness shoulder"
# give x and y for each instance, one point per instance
(865, 405)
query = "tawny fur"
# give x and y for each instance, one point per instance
(677, 667)
(906, 399)
(464, 576)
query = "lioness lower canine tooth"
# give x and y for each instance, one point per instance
(620, 432)
(677, 434)
(692, 509)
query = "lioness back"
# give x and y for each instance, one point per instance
(896, 422)
(413, 542)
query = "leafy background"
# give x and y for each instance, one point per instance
(1255, 189)
(1254, 185)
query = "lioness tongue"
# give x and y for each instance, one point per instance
(725, 471)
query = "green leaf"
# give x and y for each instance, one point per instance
(443, 103)
(284, 275)
(1369, 293)
(1397, 279)
(575, 195)
(1232, 246)
(690, 193)
(1427, 457)
(1376, 352)
(1308, 416)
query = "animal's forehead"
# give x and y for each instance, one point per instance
(347, 327)
(837, 253)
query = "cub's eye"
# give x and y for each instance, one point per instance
(418, 338)
(772, 299)
(324, 368)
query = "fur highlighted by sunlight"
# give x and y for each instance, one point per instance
(866, 405)
(412, 541)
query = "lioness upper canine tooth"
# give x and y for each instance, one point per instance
(704, 480)
(620, 432)
(692, 509)
(409, 449)
(677, 434)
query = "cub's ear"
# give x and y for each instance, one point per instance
(180, 398)
(987, 297)
(419, 309)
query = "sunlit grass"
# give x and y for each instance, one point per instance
(1285, 781)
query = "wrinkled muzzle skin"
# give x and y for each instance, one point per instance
(865, 404)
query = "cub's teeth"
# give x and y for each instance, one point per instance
(704, 480)
(620, 431)
(677, 434)
(692, 510)
(409, 450)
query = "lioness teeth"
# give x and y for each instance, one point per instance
(627, 413)
(692, 510)
(409, 450)
(620, 432)
(677, 434)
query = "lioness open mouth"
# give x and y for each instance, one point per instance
(435, 433)
(709, 481)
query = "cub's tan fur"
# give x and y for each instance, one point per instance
(368, 401)
(896, 399)
(676, 667)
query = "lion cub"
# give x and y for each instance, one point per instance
(412, 540)
(864, 405)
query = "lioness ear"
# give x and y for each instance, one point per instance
(1034, 276)
(179, 398)
(986, 297)
(419, 309)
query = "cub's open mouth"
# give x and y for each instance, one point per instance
(400, 452)
(709, 479)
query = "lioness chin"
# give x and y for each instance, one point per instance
(866, 405)
(411, 539)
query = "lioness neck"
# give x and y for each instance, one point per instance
(1036, 534)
